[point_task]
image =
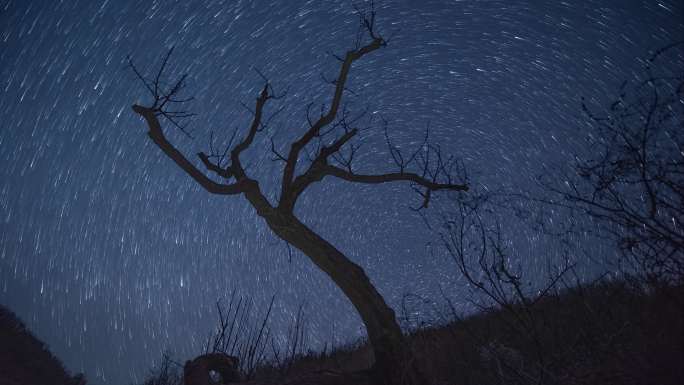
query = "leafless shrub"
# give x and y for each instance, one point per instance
(241, 333)
(473, 237)
(168, 373)
(296, 344)
(631, 186)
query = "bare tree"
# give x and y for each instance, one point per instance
(330, 135)
(473, 236)
(632, 185)
(531, 330)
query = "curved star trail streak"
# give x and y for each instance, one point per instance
(112, 255)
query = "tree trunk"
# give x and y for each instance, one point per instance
(393, 362)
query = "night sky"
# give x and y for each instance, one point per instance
(113, 255)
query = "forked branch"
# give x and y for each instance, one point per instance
(434, 172)
(162, 98)
(328, 117)
(158, 137)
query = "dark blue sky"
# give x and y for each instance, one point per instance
(112, 255)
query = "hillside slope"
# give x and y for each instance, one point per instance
(25, 360)
(607, 333)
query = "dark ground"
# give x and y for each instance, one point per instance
(24, 359)
(606, 333)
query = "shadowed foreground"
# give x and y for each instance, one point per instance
(605, 333)
(25, 360)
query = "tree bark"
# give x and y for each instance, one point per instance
(393, 362)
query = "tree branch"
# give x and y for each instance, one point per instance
(249, 138)
(393, 177)
(327, 118)
(158, 137)
(215, 167)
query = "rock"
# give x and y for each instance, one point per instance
(198, 371)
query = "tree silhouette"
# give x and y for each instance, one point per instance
(632, 185)
(332, 158)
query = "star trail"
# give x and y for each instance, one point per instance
(112, 255)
